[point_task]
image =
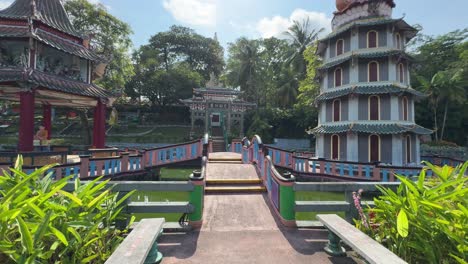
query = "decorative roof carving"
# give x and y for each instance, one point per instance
(49, 12)
(53, 82)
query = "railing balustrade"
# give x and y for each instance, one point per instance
(122, 163)
(282, 189)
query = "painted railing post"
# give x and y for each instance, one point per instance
(143, 159)
(197, 195)
(124, 161)
(84, 167)
(376, 173)
(287, 200)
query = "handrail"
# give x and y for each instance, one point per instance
(173, 145)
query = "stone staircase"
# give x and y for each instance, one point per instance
(233, 177)
(218, 144)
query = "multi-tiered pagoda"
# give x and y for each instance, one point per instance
(45, 62)
(366, 103)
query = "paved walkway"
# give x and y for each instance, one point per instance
(240, 228)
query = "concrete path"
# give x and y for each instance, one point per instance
(222, 171)
(240, 228)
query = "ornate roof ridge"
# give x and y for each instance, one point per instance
(50, 12)
(364, 53)
(386, 87)
(385, 127)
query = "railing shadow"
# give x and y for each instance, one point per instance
(305, 241)
(179, 245)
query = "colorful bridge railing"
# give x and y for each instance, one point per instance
(307, 166)
(125, 163)
(290, 199)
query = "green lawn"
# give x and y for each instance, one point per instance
(159, 197)
(159, 135)
(176, 174)
(317, 196)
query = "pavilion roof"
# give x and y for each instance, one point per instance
(52, 40)
(49, 12)
(371, 127)
(225, 91)
(201, 100)
(368, 88)
(54, 82)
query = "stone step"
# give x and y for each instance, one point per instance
(233, 181)
(226, 161)
(234, 189)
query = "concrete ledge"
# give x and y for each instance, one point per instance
(321, 206)
(160, 207)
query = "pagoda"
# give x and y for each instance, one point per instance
(218, 109)
(45, 62)
(366, 102)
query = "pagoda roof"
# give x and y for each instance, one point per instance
(368, 88)
(49, 12)
(371, 127)
(54, 83)
(50, 39)
(368, 53)
(372, 21)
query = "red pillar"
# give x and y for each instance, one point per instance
(26, 130)
(99, 129)
(47, 122)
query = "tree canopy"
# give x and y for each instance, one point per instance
(172, 64)
(110, 38)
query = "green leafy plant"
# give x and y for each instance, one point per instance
(424, 221)
(40, 222)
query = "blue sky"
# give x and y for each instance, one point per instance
(232, 19)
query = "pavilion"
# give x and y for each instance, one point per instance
(219, 109)
(45, 62)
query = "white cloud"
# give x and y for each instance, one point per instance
(193, 12)
(5, 3)
(277, 25)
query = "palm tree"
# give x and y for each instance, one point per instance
(444, 87)
(249, 59)
(302, 35)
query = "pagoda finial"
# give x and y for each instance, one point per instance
(33, 8)
(213, 82)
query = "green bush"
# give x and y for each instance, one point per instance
(42, 223)
(425, 221)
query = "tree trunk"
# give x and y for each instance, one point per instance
(85, 125)
(434, 112)
(444, 120)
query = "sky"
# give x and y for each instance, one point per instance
(232, 19)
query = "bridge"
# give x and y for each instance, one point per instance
(241, 207)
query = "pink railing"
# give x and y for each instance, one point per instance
(303, 164)
(125, 163)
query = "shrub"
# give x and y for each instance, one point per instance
(425, 221)
(42, 223)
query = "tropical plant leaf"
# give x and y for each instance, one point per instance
(59, 235)
(26, 238)
(402, 223)
(71, 197)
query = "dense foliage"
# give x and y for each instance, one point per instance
(42, 223)
(110, 38)
(441, 71)
(425, 221)
(172, 64)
